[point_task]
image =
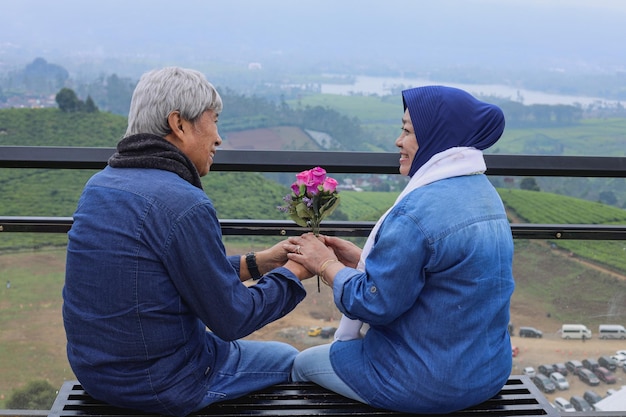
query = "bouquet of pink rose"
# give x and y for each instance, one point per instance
(314, 197)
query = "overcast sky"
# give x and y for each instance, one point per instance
(581, 34)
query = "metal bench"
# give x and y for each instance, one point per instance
(519, 397)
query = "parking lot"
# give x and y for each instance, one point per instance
(551, 348)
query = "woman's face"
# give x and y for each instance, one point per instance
(407, 143)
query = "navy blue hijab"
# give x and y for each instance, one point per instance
(446, 117)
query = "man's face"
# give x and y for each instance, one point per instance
(201, 141)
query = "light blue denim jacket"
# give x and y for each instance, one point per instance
(436, 293)
(146, 274)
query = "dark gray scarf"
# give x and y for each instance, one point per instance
(151, 151)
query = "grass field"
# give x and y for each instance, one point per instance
(32, 344)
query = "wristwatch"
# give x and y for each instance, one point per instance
(253, 268)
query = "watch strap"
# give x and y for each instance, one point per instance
(253, 268)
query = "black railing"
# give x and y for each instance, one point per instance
(333, 162)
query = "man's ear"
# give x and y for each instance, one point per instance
(175, 122)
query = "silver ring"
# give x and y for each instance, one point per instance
(298, 250)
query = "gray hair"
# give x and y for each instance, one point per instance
(160, 92)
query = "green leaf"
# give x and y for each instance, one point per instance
(299, 221)
(330, 206)
(303, 212)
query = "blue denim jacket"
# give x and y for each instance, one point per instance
(436, 293)
(147, 273)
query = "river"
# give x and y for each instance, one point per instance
(383, 86)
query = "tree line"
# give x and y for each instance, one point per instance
(68, 102)
(112, 93)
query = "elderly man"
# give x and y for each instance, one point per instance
(147, 272)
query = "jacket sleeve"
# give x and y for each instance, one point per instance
(209, 283)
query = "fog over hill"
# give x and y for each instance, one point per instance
(340, 36)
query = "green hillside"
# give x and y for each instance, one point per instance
(597, 137)
(545, 208)
(42, 192)
(539, 207)
(380, 115)
(52, 127)
(365, 205)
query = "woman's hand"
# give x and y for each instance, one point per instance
(347, 252)
(309, 251)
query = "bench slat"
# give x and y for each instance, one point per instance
(519, 397)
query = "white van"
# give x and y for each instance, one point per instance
(612, 331)
(575, 331)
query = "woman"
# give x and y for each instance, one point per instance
(434, 279)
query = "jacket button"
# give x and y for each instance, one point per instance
(373, 290)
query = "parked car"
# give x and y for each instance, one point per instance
(328, 332)
(543, 383)
(620, 359)
(608, 362)
(530, 332)
(560, 368)
(588, 377)
(562, 404)
(590, 364)
(592, 397)
(529, 371)
(573, 366)
(580, 404)
(545, 369)
(605, 375)
(314, 331)
(559, 380)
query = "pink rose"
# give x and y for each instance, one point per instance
(318, 176)
(330, 185)
(303, 177)
(295, 187)
(312, 189)
(312, 179)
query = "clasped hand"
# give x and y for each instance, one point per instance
(312, 251)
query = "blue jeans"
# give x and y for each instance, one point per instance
(313, 364)
(251, 365)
